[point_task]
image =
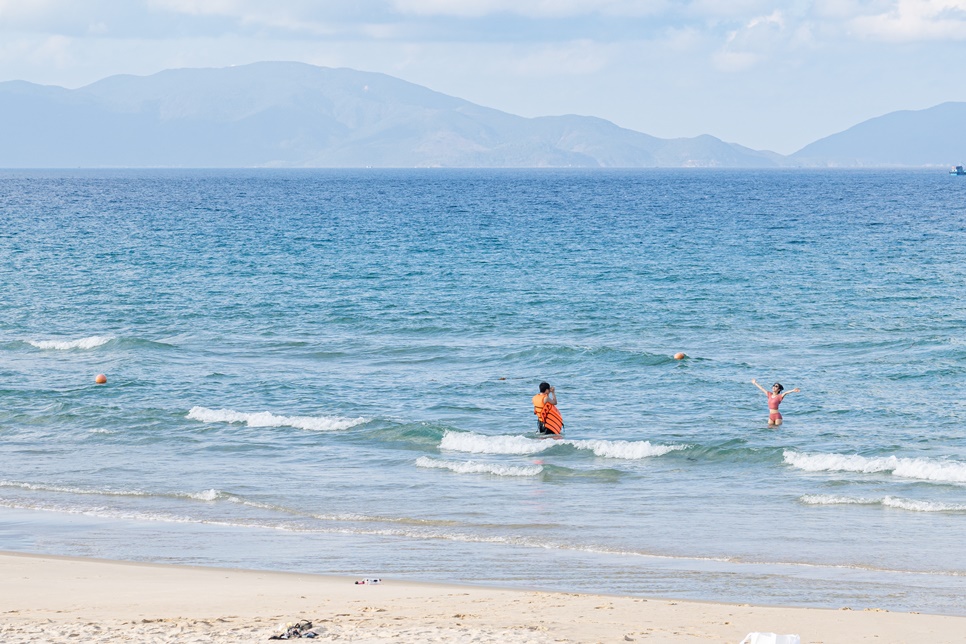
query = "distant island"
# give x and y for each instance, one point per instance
(286, 114)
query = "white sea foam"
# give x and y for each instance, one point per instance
(206, 495)
(628, 450)
(40, 487)
(65, 345)
(887, 501)
(474, 467)
(482, 444)
(923, 469)
(100, 512)
(268, 419)
(922, 506)
(831, 499)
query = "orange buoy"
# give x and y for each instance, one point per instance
(679, 356)
(100, 379)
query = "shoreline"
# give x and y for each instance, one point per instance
(72, 599)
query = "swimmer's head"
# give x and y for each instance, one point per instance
(544, 387)
(777, 387)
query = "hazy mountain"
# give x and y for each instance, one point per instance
(935, 136)
(297, 115)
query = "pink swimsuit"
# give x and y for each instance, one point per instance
(773, 401)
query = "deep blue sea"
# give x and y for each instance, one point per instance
(331, 372)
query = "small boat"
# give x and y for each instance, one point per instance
(958, 170)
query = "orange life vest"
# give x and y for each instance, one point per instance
(538, 401)
(551, 418)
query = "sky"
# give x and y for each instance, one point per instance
(767, 75)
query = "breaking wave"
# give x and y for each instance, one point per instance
(483, 444)
(65, 345)
(268, 419)
(628, 450)
(923, 469)
(888, 501)
(474, 467)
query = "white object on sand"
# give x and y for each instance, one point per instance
(770, 638)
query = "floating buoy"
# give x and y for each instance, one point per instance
(679, 356)
(100, 379)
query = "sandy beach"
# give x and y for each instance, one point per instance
(60, 599)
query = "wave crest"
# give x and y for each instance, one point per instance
(92, 342)
(912, 505)
(923, 469)
(483, 444)
(628, 450)
(474, 467)
(268, 419)
(207, 495)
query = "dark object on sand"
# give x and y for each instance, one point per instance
(296, 631)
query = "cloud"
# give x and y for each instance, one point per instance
(489, 20)
(172, 19)
(20, 12)
(49, 16)
(843, 10)
(759, 38)
(295, 17)
(530, 8)
(915, 20)
(732, 9)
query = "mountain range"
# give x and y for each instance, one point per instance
(283, 114)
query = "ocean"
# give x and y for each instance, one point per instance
(330, 371)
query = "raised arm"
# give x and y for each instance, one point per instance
(795, 390)
(755, 383)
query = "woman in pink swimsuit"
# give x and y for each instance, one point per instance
(775, 397)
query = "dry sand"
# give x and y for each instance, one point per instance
(61, 599)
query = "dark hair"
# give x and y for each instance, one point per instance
(779, 385)
(544, 387)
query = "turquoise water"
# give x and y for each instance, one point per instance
(331, 371)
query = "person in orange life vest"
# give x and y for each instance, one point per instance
(775, 398)
(546, 395)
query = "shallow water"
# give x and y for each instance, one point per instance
(331, 371)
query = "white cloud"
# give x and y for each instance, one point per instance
(206, 8)
(53, 16)
(839, 20)
(915, 20)
(843, 10)
(290, 16)
(759, 38)
(529, 8)
(732, 9)
(18, 11)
